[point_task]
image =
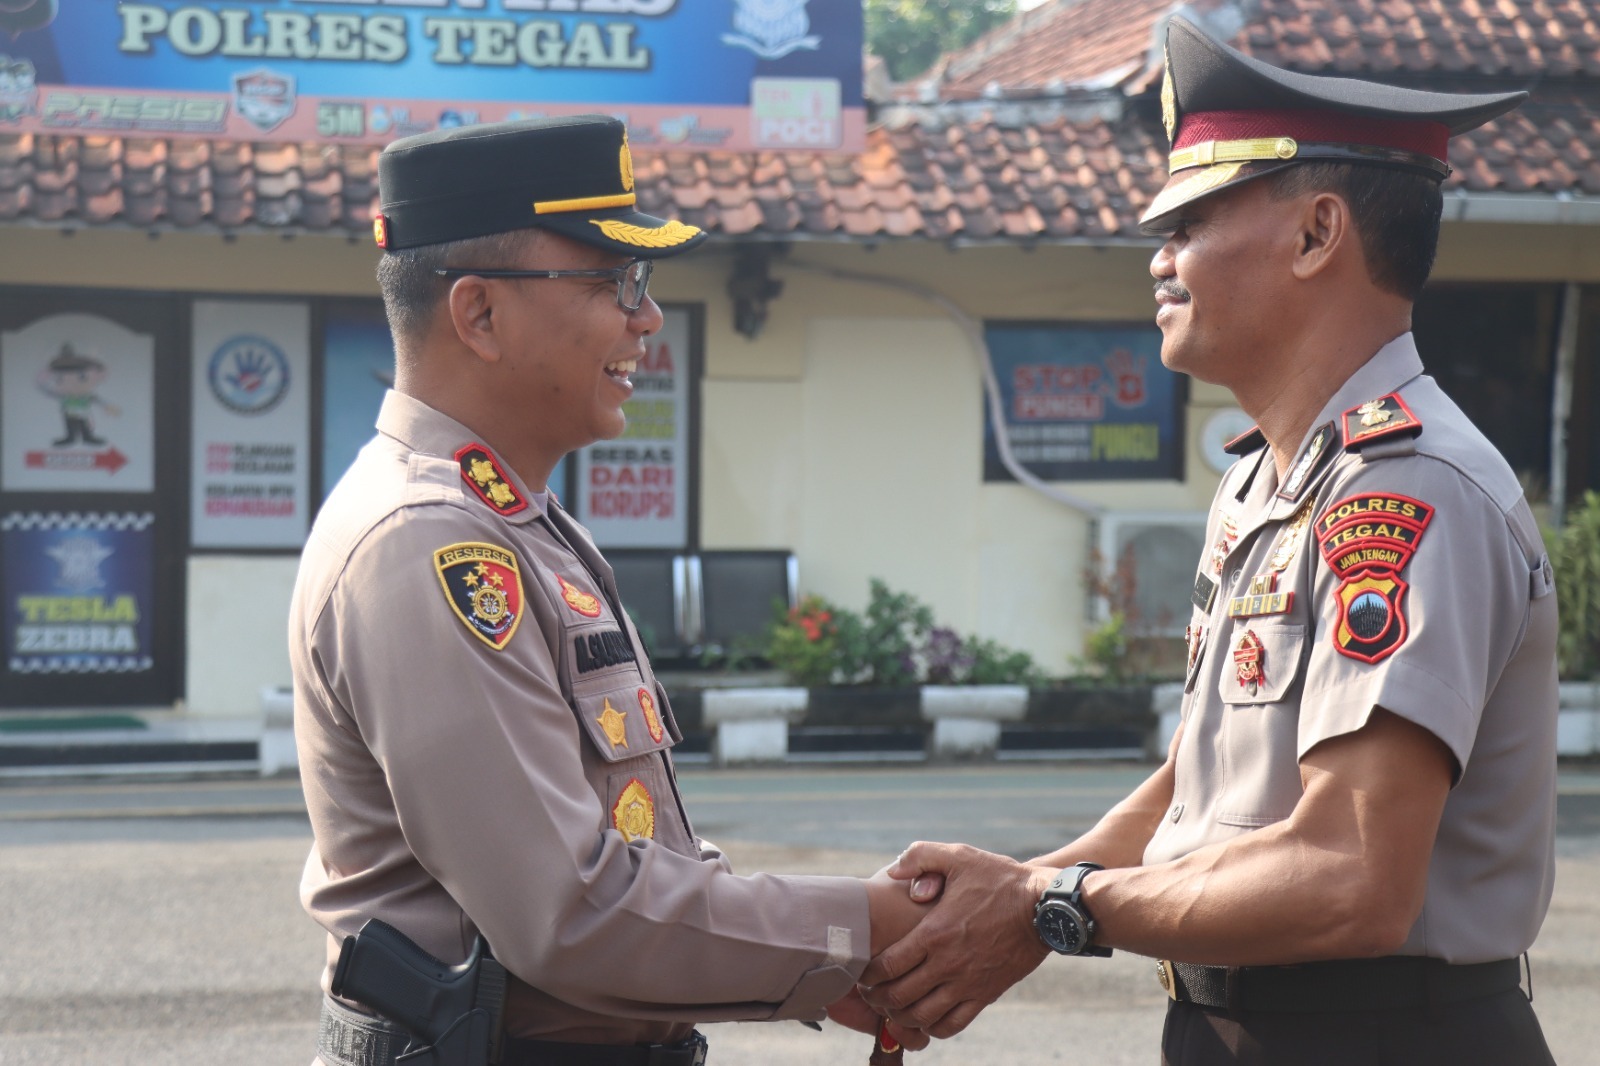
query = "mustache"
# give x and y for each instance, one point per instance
(1171, 287)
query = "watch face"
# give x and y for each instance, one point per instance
(1059, 927)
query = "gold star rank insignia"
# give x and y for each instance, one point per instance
(634, 813)
(482, 473)
(615, 725)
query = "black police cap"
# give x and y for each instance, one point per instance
(1232, 118)
(570, 175)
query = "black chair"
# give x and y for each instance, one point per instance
(654, 587)
(737, 592)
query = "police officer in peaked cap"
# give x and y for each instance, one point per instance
(1349, 848)
(484, 746)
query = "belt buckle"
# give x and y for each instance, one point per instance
(1167, 977)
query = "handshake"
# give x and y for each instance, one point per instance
(952, 930)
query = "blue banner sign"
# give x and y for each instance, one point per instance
(78, 592)
(1084, 402)
(734, 74)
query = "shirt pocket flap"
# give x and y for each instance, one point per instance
(622, 717)
(1263, 663)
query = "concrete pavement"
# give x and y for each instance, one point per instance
(156, 922)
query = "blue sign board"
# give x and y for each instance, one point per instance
(78, 592)
(1084, 402)
(737, 74)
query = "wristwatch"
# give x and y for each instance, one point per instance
(1061, 919)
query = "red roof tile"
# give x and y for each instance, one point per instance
(953, 174)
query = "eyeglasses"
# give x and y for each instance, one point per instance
(632, 278)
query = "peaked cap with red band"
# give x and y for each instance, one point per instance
(1232, 118)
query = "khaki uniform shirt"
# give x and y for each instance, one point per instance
(484, 747)
(1392, 568)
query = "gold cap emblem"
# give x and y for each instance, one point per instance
(625, 158)
(1169, 97)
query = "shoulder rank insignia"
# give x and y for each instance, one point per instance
(652, 720)
(579, 600)
(1376, 419)
(484, 587)
(615, 725)
(481, 471)
(1366, 540)
(634, 813)
(1246, 442)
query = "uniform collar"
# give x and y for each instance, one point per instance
(425, 431)
(1394, 366)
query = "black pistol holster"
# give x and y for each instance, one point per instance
(453, 1014)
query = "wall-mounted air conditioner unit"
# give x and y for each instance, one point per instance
(1152, 557)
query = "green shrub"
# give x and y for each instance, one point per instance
(1575, 555)
(894, 643)
(803, 642)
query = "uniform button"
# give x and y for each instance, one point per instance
(1177, 811)
(1234, 577)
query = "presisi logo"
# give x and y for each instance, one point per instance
(597, 651)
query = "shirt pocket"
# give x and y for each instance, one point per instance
(1263, 663)
(1260, 728)
(621, 716)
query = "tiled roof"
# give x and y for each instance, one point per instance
(1077, 42)
(1060, 42)
(953, 174)
(1510, 38)
(972, 180)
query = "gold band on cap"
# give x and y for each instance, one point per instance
(1248, 151)
(584, 203)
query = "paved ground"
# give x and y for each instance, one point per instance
(157, 923)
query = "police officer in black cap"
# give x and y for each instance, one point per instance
(1350, 846)
(484, 747)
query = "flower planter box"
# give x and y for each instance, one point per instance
(966, 718)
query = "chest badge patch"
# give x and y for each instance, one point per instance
(634, 813)
(1247, 661)
(652, 720)
(484, 587)
(579, 600)
(481, 471)
(1288, 543)
(1300, 474)
(1261, 599)
(1366, 541)
(615, 725)
(1226, 536)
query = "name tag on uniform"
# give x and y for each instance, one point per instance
(1205, 593)
(1265, 603)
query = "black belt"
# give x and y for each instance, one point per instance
(350, 1038)
(1396, 982)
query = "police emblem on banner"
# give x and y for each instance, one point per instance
(484, 587)
(264, 98)
(634, 813)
